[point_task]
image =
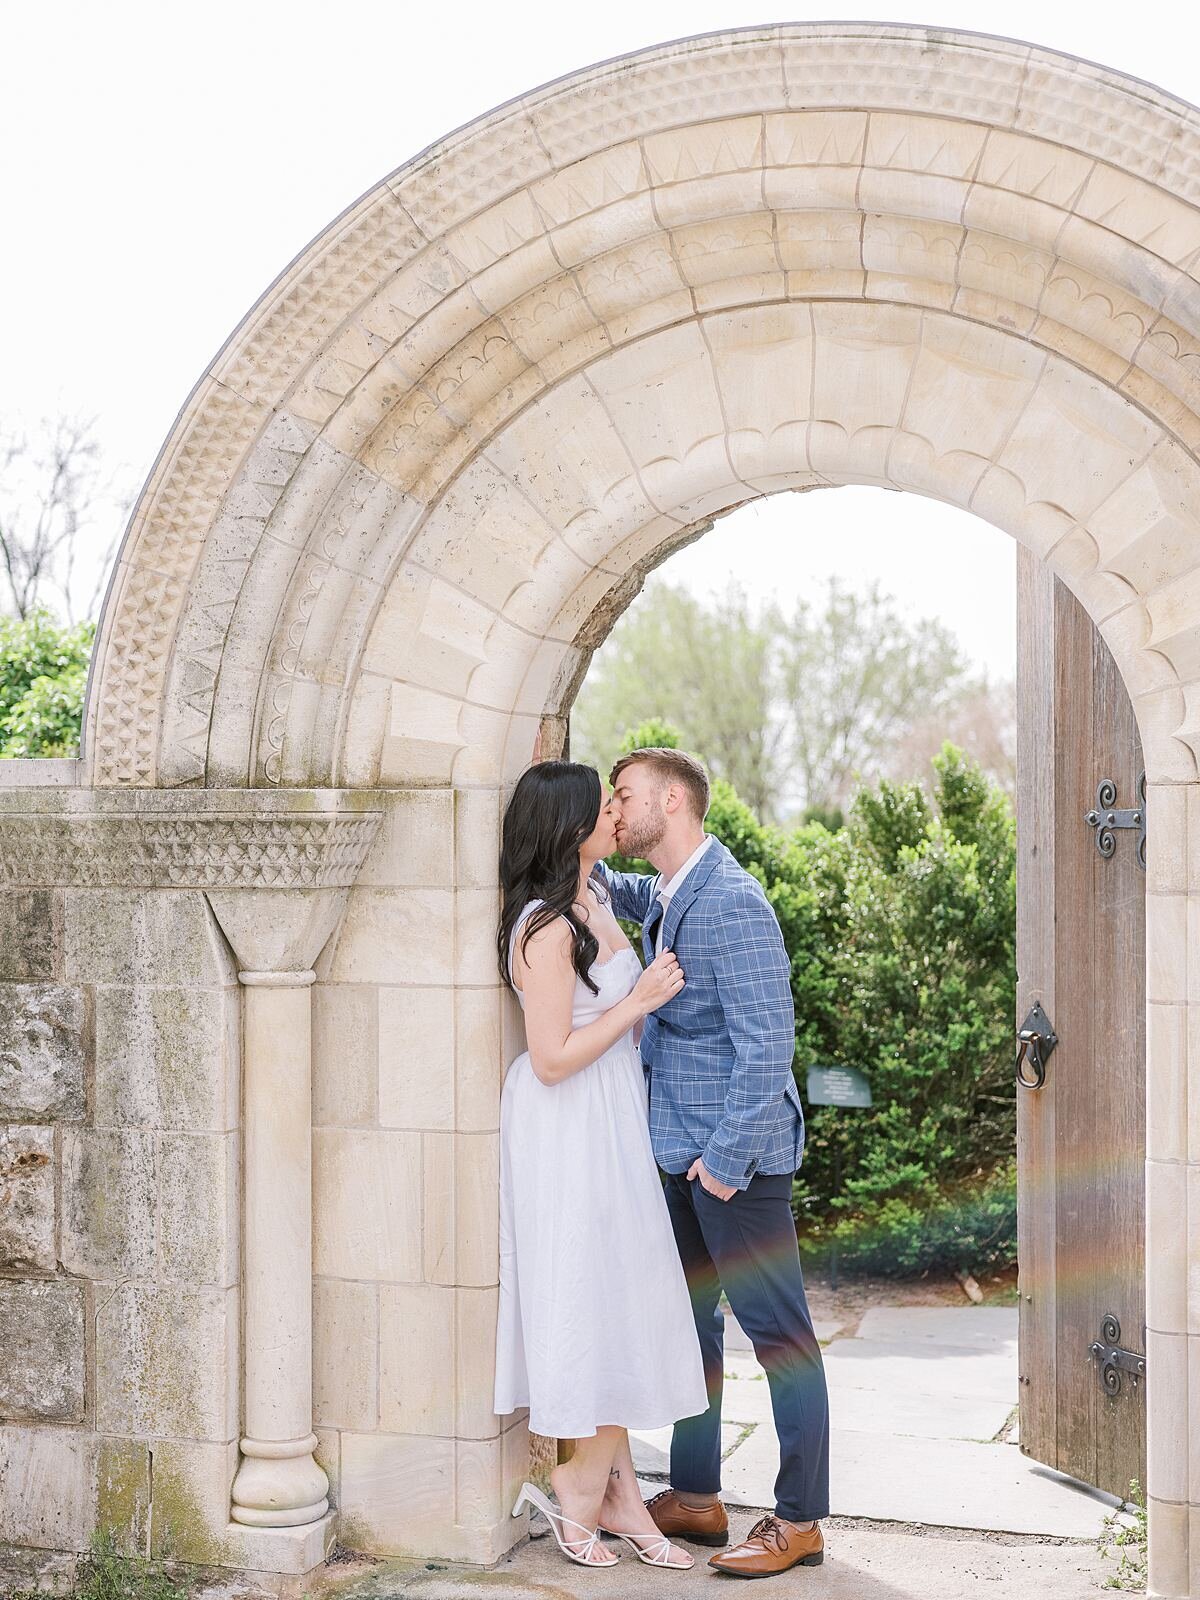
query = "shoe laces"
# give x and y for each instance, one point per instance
(770, 1531)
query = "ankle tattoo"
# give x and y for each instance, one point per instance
(614, 1472)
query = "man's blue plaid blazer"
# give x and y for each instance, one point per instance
(718, 1056)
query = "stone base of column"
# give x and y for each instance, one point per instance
(272, 1551)
(279, 1485)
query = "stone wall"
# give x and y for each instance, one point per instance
(118, 1216)
(411, 1030)
(122, 1181)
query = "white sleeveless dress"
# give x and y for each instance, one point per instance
(595, 1326)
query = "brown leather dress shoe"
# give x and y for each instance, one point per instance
(709, 1526)
(772, 1546)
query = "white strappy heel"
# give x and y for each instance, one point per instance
(530, 1495)
(656, 1552)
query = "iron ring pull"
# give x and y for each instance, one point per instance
(1030, 1047)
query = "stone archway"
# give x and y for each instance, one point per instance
(419, 483)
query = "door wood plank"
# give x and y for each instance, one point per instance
(1076, 1177)
(1036, 1198)
(1120, 1100)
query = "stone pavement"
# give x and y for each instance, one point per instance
(922, 1402)
(932, 1497)
(861, 1563)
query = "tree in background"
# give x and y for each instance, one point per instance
(854, 675)
(43, 674)
(55, 502)
(705, 669)
(58, 510)
(793, 711)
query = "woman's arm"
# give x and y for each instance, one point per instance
(547, 975)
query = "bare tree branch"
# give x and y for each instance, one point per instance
(54, 500)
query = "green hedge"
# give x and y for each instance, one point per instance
(43, 676)
(971, 1227)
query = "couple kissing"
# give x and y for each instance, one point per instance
(649, 1136)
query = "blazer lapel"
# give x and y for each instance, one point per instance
(650, 926)
(688, 890)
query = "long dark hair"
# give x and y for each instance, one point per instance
(553, 809)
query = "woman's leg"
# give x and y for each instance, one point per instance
(579, 1486)
(623, 1509)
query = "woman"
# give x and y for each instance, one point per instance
(595, 1331)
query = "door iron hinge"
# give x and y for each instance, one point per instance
(1105, 817)
(1113, 1360)
(1035, 1041)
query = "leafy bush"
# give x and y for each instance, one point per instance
(43, 675)
(923, 964)
(969, 1227)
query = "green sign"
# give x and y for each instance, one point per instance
(838, 1086)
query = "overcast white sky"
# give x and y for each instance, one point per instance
(162, 163)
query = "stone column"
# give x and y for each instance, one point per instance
(276, 936)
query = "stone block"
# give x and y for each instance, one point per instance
(479, 1484)
(1166, 949)
(108, 1202)
(461, 1232)
(395, 936)
(191, 1500)
(167, 1058)
(31, 935)
(48, 1476)
(437, 1182)
(346, 1353)
(345, 1043)
(416, 1058)
(166, 1361)
(123, 1491)
(416, 1359)
(476, 915)
(1167, 1443)
(198, 1234)
(162, 936)
(475, 1363)
(367, 1204)
(397, 1494)
(477, 815)
(41, 1336)
(477, 1180)
(27, 1199)
(478, 1059)
(414, 846)
(43, 1051)
(168, 1497)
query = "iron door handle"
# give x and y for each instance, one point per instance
(1035, 1041)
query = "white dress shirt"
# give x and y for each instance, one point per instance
(668, 890)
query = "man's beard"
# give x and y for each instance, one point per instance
(639, 838)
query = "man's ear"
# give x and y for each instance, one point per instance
(676, 795)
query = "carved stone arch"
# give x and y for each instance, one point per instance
(407, 497)
(976, 185)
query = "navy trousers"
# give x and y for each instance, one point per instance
(747, 1246)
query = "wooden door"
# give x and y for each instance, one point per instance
(1081, 920)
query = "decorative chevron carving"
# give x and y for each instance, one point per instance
(183, 851)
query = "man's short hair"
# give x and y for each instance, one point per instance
(673, 766)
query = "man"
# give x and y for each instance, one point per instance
(728, 1131)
